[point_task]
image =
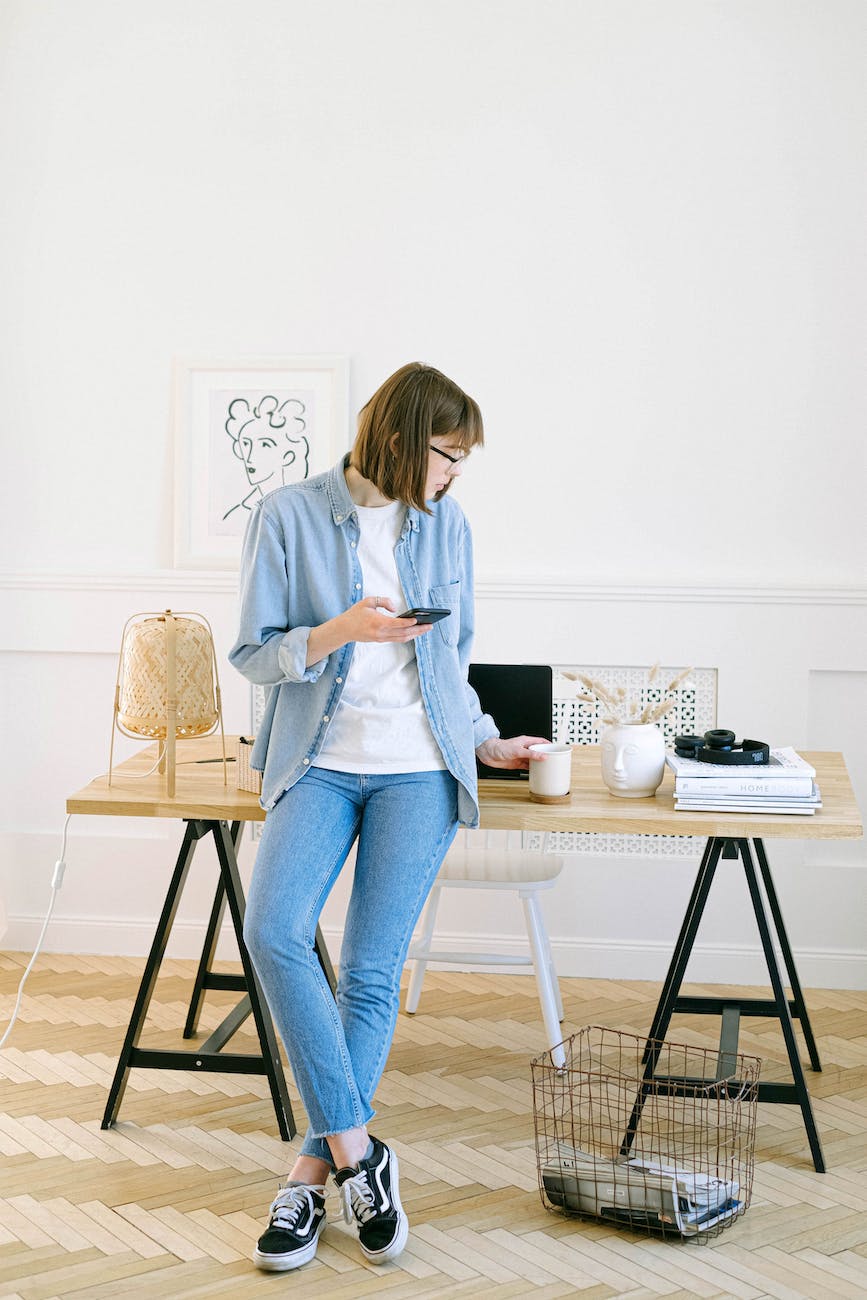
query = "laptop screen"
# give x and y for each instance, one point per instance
(519, 697)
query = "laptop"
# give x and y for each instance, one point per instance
(520, 699)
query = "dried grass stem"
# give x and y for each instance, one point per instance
(618, 708)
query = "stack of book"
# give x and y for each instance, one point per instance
(784, 785)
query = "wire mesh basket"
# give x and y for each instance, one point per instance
(656, 1136)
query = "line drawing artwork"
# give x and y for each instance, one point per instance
(267, 437)
(243, 428)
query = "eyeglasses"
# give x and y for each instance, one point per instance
(455, 460)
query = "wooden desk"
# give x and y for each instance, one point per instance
(504, 804)
(206, 806)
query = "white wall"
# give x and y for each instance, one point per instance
(633, 231)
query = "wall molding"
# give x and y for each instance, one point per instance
(488, 587)
(579, 958)
(555, 589)
(153, 580)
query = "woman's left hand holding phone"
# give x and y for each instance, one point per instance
(366, 620)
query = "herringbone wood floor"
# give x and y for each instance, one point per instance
(169, 1203)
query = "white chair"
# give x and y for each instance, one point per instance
(522, 871)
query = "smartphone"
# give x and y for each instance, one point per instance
(426, 615)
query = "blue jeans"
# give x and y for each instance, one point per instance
(404, 824)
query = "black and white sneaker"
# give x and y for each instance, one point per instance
(297, 1218)
(370, 1195)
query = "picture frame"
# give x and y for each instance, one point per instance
(243, 427)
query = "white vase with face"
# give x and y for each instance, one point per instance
(633, 759)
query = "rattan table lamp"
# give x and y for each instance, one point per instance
(167, 686)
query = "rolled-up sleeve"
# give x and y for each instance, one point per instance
(267, 649)
(484, 727)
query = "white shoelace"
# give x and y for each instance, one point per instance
(289, 1202)
(357, 1199)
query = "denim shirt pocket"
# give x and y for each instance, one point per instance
(448, 596)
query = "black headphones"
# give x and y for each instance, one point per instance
(721, 747)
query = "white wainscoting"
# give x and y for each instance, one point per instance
(790, 669)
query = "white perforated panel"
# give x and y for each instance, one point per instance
(578, 723)
(257, 709)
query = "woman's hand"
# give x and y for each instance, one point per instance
(365, 621)
(511, 753)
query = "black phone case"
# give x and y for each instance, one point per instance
(426, 615)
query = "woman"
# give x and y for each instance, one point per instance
(370, 733)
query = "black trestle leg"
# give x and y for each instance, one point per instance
(209, 948)
(782, 1007)
(261, 1014)
(208, 1057)
(732, 1007)
(674, 978)
(685, 940)
(193, 833)
(325, 960)
(786, 950)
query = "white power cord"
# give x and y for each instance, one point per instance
(139, 775)
(56, 882)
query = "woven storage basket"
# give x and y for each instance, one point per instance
(167, 686)
(249, 778)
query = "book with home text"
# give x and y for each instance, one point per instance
(786, 774)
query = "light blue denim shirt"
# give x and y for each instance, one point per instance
(300, 568)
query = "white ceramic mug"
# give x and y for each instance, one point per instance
(551, 780)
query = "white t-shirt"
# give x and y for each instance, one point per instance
(380, 724)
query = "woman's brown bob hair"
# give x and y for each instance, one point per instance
(416, 404)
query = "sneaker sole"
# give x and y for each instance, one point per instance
(396, 1246)
(392, 1251)
(292, 1259)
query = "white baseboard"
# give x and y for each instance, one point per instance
(710, 964)
(580, 958)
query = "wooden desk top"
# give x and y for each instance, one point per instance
(199, 789)
(505, 805)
